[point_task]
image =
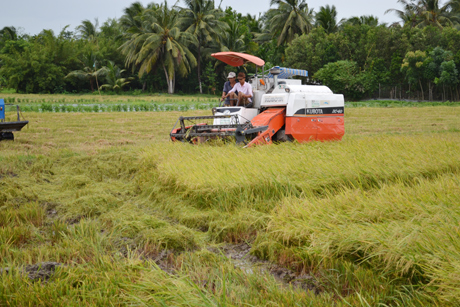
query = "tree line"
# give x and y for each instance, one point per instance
(164, 48)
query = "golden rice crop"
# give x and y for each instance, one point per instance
(135, 220)
(398, 229)
(230, 177)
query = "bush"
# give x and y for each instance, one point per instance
(344, 77)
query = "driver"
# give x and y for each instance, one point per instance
(244, 91)
(228, 86)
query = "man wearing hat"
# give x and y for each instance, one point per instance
(227, 87)
(243, 89)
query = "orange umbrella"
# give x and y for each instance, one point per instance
(237, 59)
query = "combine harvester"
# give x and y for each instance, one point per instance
(282, 110)
(8, 127)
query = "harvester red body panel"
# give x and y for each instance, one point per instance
(301, 128)
(274, 119)
(282, 109)
(312, 128)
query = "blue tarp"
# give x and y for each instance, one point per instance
(2, 109)
(289, 72)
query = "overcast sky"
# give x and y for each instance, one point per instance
(32, 16)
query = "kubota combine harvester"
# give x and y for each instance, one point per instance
(282, 109)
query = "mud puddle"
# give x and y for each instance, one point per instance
(8, 174)
(163, 258)
(250, 264)
(36, 272)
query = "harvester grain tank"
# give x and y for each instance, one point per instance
(7, 127)
(282, 109)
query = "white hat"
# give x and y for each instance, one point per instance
(231, 75)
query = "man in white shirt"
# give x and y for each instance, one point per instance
(244, 91)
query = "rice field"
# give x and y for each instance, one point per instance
(101, 209)
(95, 98)
(92, 103)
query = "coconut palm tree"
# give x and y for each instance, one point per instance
(201, 19)
(88, 30)
(368, 20)
(90, 72)
(113, 78)
(432, 13)
(291, 18)
(426, 12)
(159, 42)
(409, 15)
(453, 6)
(131, 20)
(327, 18)
(232, 40)
(255, 23)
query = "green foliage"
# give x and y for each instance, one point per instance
(437, 67)
(309, 51)
(427, 13)
(373, 49)
(210, 78)
(345, 77)
(41, 66)
(369, 20)
(449, 74)
(380, 51)
(291, 18)
(202, 20)
(414, 66)
(12, 46)
(327, 18)
(270, 50)
(2, 82)
(88, 30)
(289, 34)
(248, 28)
(115, 82)
(160, 43)
(8, 33)
(89, 71)
(233, 38)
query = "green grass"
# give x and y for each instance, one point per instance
(399, 103)
(133, 219)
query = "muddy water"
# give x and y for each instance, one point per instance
(36, 272)
(250, 264)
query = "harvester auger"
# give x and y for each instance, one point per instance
(8, 127)
(202, 132)
(282, 109)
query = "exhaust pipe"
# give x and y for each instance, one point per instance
(275, 71)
